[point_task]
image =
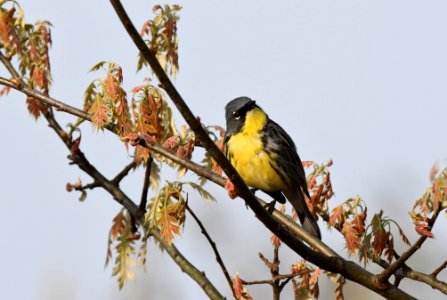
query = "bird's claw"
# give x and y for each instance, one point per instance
(270, 206)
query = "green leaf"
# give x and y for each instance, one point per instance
(97, 66)
(203, 193)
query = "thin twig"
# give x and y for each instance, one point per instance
(397, 264)
(89, 186)
(439, 269)
(188, 268)
(7, 63)
(214, 247)
(48, 100)
(147, 176)
(120, 176)
(428, 279)
(267, 281)
(274, 270)
(278, 277)
(284, 283)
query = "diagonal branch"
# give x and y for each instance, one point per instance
(7, 63)
(147, 175)
(120, 176)
(428, 279)
(389, 271)
(287, 278)
(439, 269)
(196, 168)
(214, 246)
(48, 100)
(188, 268)
(274, 270)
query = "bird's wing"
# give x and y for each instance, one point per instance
(277, 140)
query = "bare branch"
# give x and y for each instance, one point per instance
(7, 63)
(188, 268)
(147, 175)
(274, 270)
(120, 176)
(48, 100)
(278, 277)
(439, 269)
(267, 281)
(89, 186)
(428, 279)
(214, 246)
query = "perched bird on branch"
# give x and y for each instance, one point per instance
(266, 158)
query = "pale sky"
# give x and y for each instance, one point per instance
(362, 83)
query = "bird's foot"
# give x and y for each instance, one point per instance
(231, 189)
(270, 206)
(253, 190)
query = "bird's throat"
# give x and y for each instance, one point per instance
(255, 120)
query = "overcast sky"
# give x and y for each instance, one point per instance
(361, 83)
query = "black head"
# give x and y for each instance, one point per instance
(235, 112)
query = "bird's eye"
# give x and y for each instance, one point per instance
(236, 115)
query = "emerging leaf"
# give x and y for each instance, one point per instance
(351, 236)
(161, 33)
(240, 290)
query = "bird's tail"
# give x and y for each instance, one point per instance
(298, 202)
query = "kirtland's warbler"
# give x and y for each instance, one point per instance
(266, 158)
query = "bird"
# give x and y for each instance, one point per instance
(266, 158)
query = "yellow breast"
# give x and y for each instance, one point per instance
(245, 151)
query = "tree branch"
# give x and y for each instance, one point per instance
(46, 99)
(188, 268)
(120, 176)
(439, 269)
(214, 247)
(278, 277)
(389, 271)
(428, 279)
(89, 186)
(7, 63)
(147, 175)
(274, 270)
